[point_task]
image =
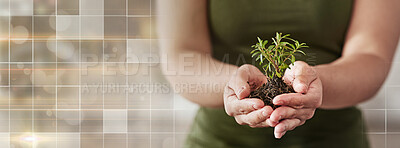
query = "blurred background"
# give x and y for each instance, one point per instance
(85, 73)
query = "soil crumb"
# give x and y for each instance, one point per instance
(268, 91)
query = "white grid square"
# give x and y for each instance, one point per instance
(162, 140)
(139, 121)
(393, 121)
(377, 140)
(68, 121)
(162, 120)
(89, 140)
(68, 27)
(92, 27)
(4, 81)
(393, 77)
(115, 7)
(393, 97)
(68, 97)
(45, 51)
(392, 140)
(139, 140)
(92, 7)
(44, 7)
(4, 103)
(21, 52)
(21, 7)
(68, 50)
(4, 140)
(115, 121)
(68, 140)
(45, 99)
(375, 120)
(92, 121)
(4, 8)
(4, 27)
(45, 74)
(44, 121)
(47, 140)
(4, 122)
(139, 50)
(115, 140)
(21, 121)
(68, 7)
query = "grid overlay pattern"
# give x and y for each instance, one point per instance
(62, 60)
(63, 86)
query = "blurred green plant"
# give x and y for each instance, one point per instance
(276, 58)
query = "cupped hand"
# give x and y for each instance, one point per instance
(297, 107)
(246, 111)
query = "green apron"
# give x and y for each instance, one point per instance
(234, 26)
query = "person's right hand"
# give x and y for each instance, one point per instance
(246, 111)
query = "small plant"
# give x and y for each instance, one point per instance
(274, 60)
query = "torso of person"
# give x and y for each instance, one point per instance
(234, 26)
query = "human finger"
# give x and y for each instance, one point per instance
(286, 112)
(256, 117)
(300, 75)
(233, 106)
(245, 75)
(312, 99)
(286, 125)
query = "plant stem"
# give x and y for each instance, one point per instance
(269, 58)
(294, 51)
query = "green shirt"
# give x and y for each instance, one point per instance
(234, 26)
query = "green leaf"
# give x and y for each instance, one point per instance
(270, 47)
(275, 41)
(290, 39)
(265, 43)
(278, 74)
(269, 66)
(279, 60)
(283, 67)
(301, 52)
(260, 41)
(286, 54)
(278, 37)
(293, 59)
(285, 43)
(292, 46)
(253, 55)
(264, 66)
(303, 45)
(286, 36)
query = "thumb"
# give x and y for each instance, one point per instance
(301, 84)
(303, 75)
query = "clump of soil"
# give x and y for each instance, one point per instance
(268, 91)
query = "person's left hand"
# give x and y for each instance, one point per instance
(297, 107)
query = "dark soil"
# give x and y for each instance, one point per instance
(268, 91)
